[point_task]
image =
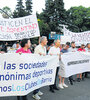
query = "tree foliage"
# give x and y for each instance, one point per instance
(20, 9)
(6, 12)
(80, 17)
(28, 7)
(53, 14)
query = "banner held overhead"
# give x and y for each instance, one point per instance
(79, 38)
(19, 28)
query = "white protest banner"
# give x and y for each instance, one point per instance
(75, 63)
(19, 28)
(21, 74)
(79, 38)
(65, 39)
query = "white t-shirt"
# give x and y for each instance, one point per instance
(40, 49)
(54, 51)
(72, 49)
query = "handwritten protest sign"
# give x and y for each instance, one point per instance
(65, 39)
(19, 28)
(79, 38)
(21, 74)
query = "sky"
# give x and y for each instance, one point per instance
(39, 4)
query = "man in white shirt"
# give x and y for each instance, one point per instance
(73, 47)
(40, 49)
(55, 50)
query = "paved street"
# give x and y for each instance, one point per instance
(79, 91)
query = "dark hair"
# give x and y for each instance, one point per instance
(72, 42)
(82, 45)
(23, 42)
(17, 42)
(88, 44)
(68, 43)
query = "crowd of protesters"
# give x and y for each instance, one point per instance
(25, 46)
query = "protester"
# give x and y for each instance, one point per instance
(87, 50)
(72, 49)
(41, 50)
(25, 45)
(16, 45)
(61, 74)
(88, 47)
(4, 47)
(48, 48)
(82, 48)
(33, 47)
(62, 46)
(0, 46)
(81, 76)
(55, 50)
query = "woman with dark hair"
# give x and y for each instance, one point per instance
(25, 45)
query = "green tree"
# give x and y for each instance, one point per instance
(49, 11)
(20, 10)
(44, 28)
(59, 10)
(80, 17)
(53, 14)
(6, 12)
(28, 7)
